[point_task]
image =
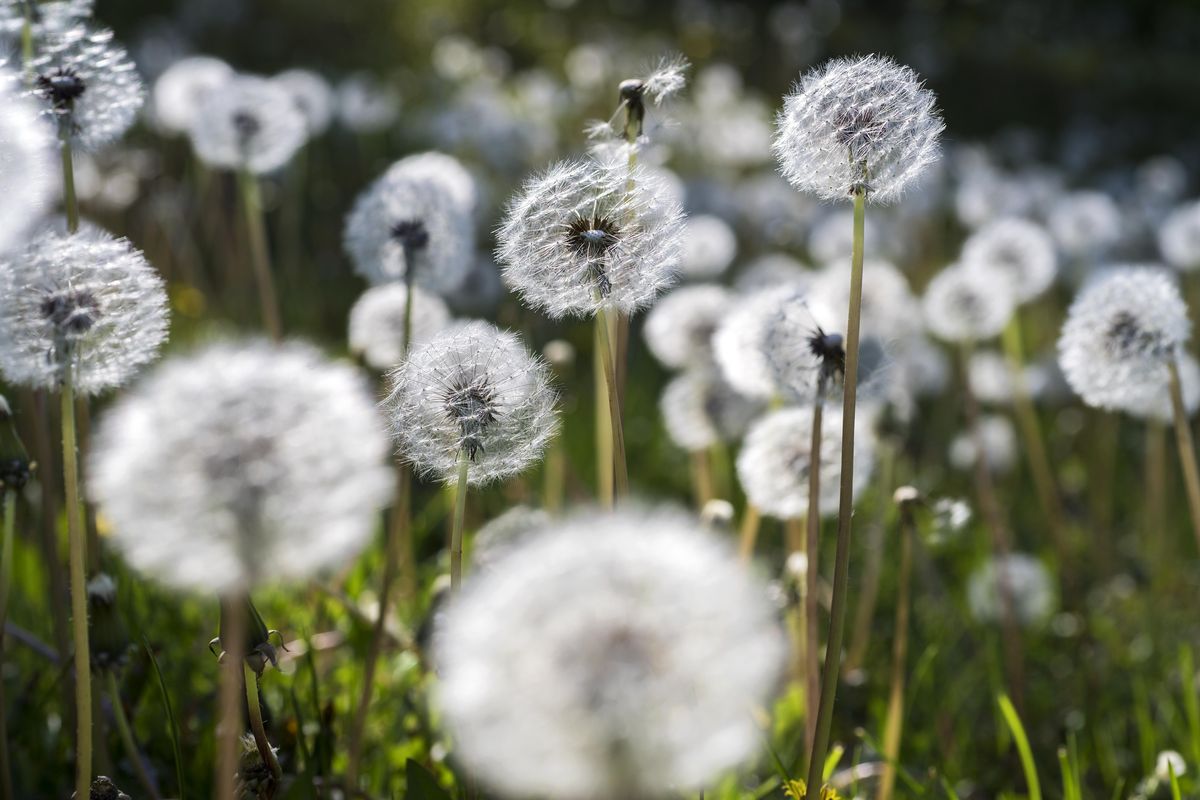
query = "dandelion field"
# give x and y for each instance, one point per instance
(597, 401)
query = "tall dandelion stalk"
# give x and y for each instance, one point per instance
(1186, 447)
(906, 497)
(852, 128)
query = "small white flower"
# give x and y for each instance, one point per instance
(1169, 762)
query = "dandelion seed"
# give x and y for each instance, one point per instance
(1120, 333)
(680, 327)
(1019, 250)
(857, 123)
(585, 236)
(1027, 581)
(472, 388)
(968, 305)
(26, 170)
(1179, 237)
(241, 464)
(88, 301)
(950, 517)
(613, 656)
(312, 95)
(709, 247)
(183, 88)
(377, 322)
(88, 85)
(419, 209)
(700, 409)
(996, 437)
(775, 461)
(248, 123)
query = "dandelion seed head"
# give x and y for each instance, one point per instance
(182, 89)
(312, 95)
(774, 463)
(990, 377)
(377, 322)
(584, 236)
(1120, 332)
(680, 327)
(89, 300)
(1085, 224)
(770, 270)
(700, 409)
(367, 105)
(738, 344)
(889, 309)
(87, 84)
(998, 440)
(709, 247)
(857, 122)
(1021, 251)
(1026, 581)
(248, 123)
(666, 79)
(26, 163)
(615, 655)
(1169, 762)
(420, 208)
(963, 304)
(473, 388)
(242, 464)
(1179, 237)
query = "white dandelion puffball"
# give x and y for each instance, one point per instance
(738, 344)
(1085, 224)
(584, 236)
(968, 305)
(857, 122)
(709, 247)
(471, 389)
(770, 270)
(505, 533)
(1169, 762)
(700, 409)
(889, 308)
(87, 300)
(418, 212)
(1120, 333)
(181, 90)
(248, 123)
(377, 322)
(367, 105)
(1160, 406)
(998, 440)
(1179, 237)
(801, 345)
(680, 326)
(88, 85)
(615, 655)
(1020, 250)
(26, 163)
(242, 464)
(1024, 579)
(775, 461)
(990, 377)
(312, 94)
(447, 172)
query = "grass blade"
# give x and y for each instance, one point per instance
(1022, 741)
(172, 725)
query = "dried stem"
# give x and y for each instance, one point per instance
(1187, 449)
(605, 323)
(256, 231)
(229, 730)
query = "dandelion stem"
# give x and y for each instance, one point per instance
(1187, 449)
(9, 499)
(229, 730)
(127, 740)
(70, 199)
(702, 477)
(27, 38)
(1156, 492)
(605, 324)
(254, 707)
(256, 231)
(460, 513)
(894, 726)
(841, 570)
(605, 472)
(748, 534)
(812, 543)
(77, 558)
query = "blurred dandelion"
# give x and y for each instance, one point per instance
(1024, 578)
(968, 305)
(613, 656)
(183, 88)
(996, 437)
(505, 534)
(1019, 250)
(889, 309)
(247, 124)
(680, 327)
(700, 410)
(709, 247)
(379, 324)
(1086, 225)
(1179, 237)
(25, 163)
(367, 105)
(312, 95)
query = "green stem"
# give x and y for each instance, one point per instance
(894, 726)
(229, 730)
(812, 544)
(460, 513)
(27, 38)
(9, 498)
(70, 199)
(127, 740)
(604, 437)
(841, 570)
(256, 726)
(77, 558)
(1187, 450)
(606, 326)
(748, 531)
(256, 231)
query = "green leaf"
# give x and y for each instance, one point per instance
(421, 783)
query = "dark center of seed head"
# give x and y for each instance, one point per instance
(591, 238)
(1129, 338)
(411, 234)
(62, 87)
(472, 407)
(246, 125)
(828, 348)
(72, 312)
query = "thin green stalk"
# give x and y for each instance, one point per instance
(460, 513)
(77, 558)
(605, 325)
(1018, 732)
(252, 213)
(894, 726)
(127, 740)
(748, 533)
(841, 571)
(70, 199)
(605, 472)
(1187, 449)
(812, 544)
(229, 706)
(27, 37)
(265, 750)
(9, 498)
